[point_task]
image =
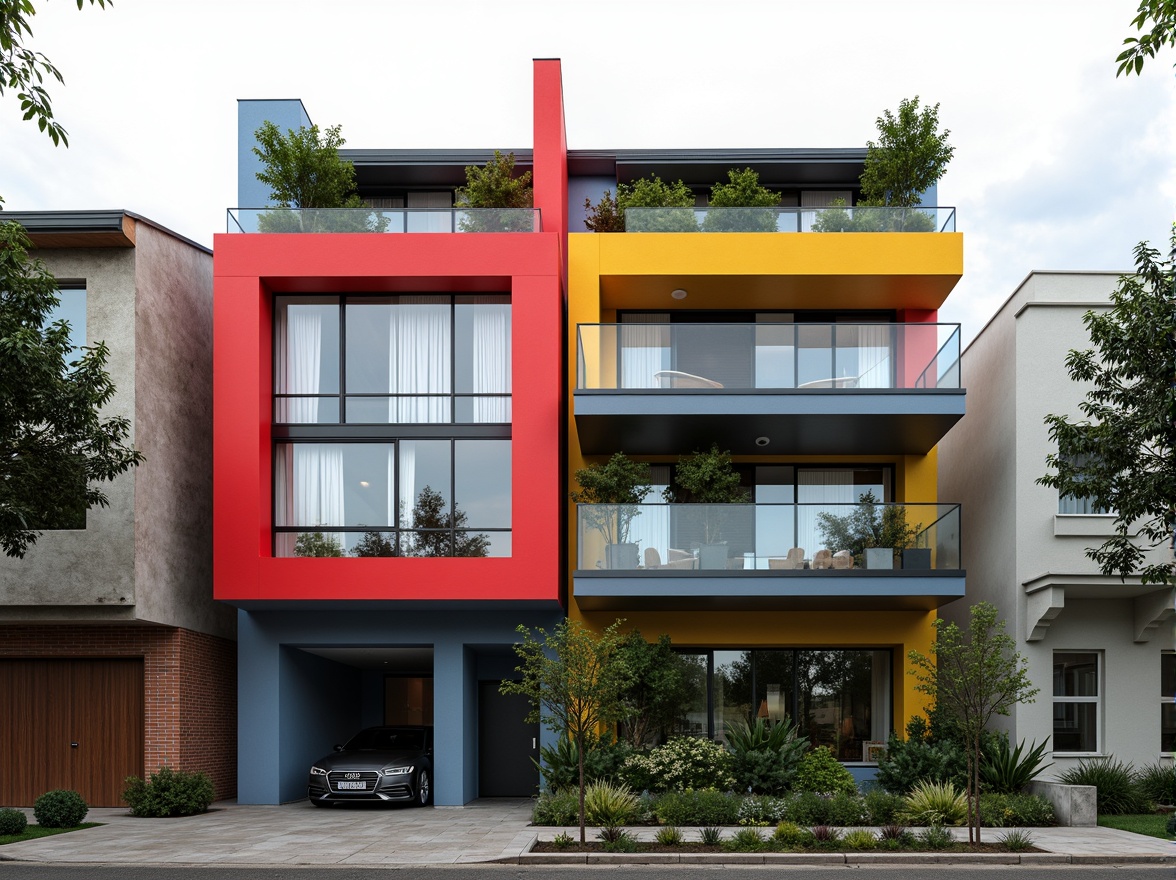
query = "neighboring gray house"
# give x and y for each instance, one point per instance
(114, 659)
(1099, 648)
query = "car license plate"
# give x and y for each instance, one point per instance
(360, 786)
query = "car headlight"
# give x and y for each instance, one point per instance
(317, 771)
(397, 771)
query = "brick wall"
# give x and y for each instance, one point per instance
(190, 683)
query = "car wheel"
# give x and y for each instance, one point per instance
(424, 790)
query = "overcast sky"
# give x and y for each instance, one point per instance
(1058, 164)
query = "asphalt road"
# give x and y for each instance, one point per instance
(29, 871)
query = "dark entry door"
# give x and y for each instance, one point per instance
(506, 744)
(70, 724)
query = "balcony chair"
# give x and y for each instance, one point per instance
(676, 379)
(822, 560)
(794, 560)
(678, 559)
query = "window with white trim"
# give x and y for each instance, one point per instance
(1077, 701)
(1168, 702)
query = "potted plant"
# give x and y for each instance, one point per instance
(742, 205)
(614, 490)
(497, 187)
(709, 479)
(675, 202)
(873, 532)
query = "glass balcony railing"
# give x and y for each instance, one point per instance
(831, 219)
(814, 538)
(384, 220)
(767, 356)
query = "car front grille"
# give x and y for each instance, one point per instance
(347, 781)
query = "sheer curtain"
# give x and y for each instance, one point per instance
(491, 357)
(874, 358)
(299, 356)
(652, 527)
(815, 489)
(407, 481)
(645, 350)
(419, 360)
(318, 484)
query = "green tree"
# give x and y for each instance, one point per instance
(621, 484)
(24, 71)
(1122, 452)
(909, 157)
(55, 447)
(374, 544)
(496, 186)
(317, 544)
(869, 524)
(659, 689)
(653, 192)
(1160, 16)
(973, 675)
(574, 681)
(708, 478)
(436, 524)
(304, 171)
(743, 190)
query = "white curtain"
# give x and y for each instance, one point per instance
(300, 341)
(652, 527)
(874, 356)
(645, 350)
(816, 488)
(407, 481)
(419, 360)
(318, 485)
(491, 360)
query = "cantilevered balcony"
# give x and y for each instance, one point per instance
(831, 389)
(830, 219)
(766, 556)
(383, 220)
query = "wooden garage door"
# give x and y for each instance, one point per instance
(70, 724)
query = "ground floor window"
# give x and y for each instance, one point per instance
(840, 698)
(1168, 702)
(1077, 704)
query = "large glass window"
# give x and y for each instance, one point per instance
(1168, 702)
(407, 359)
(839, 698)
(396, 498)
(71, 514)
(1077, 706)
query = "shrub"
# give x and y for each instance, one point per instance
(742, 191)
(826, 837)
(711, 835)
(791, 834)
(1008, 770)
(820, 771)
(670, 835)
(920, 758)
(60, 808)
(1015, 810)
(169, 792)
(683, 762)
(883, 808)
(766, 757)
(860, 838)
(762, 810)
(676, 199)
(12, 821)
(935, 837)
(746, 840)
(933, 803)
(807, 808)
(560, 764)
(697, 808)
(617, 840)
(607, 804)
(557, 807)
(847, 809)
(1017, 840)
(1118, 791)
(892, 831)
(1157, 782)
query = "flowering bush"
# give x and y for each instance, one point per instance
(684, 762)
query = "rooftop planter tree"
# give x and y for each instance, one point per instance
(496, 187)
(608, 215)
(614, 490)
(871, 525)
(708, 478)
(742, 191)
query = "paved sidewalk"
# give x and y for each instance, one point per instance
(484, 831)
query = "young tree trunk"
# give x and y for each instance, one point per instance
(975, 780)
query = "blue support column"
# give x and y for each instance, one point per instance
(258, 733)
(451, 718)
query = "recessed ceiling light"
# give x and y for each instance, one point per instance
(762, 441)
(678, 293)
(364, 483)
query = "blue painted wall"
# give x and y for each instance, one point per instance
(285, 113)
(581, 188)
(283, 692)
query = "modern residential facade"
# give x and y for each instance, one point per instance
(815, 356)
(387, 472)
(114, 659)
(1100, 649)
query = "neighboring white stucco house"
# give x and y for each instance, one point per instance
(1100, 649)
